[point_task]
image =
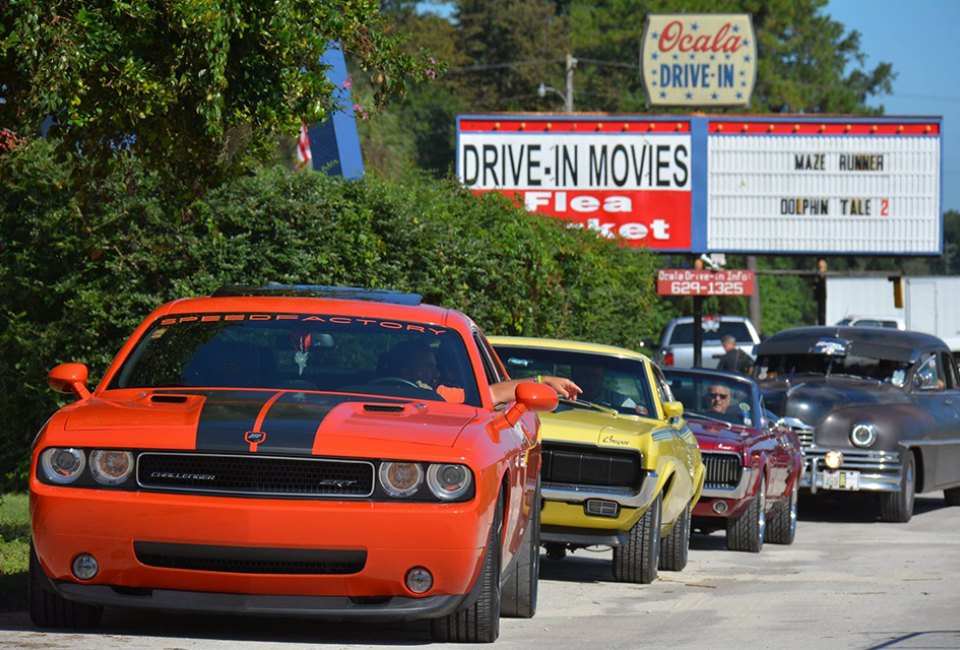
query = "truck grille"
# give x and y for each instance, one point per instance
(591, 467)
(237, 559)
(255, 475)
(723, 470)
(868, 462)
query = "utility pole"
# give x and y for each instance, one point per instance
(568, 96)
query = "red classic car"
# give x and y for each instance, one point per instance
(753, 463)
(268, 452)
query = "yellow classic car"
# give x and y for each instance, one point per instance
(620, 467)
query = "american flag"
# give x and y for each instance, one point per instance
(303, 148)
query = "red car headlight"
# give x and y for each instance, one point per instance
(448, 481)
(111, 467)
(62, 465)
(400, 479)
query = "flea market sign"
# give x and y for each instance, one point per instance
(698, 59)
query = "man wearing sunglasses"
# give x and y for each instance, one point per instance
(718, 398)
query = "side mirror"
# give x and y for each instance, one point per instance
(70, 378)
(673, 409)
(538, 398)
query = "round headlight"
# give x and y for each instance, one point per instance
(400, 479)
(863, 435)
(448, 481)
(111, 467)
(61, 465)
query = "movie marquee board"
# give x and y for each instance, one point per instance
(765, 184)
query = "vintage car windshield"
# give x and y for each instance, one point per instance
(888, 371)
(714, 397)
(614, 382)
(302, 352)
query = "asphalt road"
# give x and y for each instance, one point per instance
(848, 581)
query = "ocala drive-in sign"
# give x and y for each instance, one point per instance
(626, 179)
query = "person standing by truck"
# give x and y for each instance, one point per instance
(734, 359)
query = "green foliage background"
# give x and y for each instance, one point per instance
(77, 276)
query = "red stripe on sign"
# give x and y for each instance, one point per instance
(643, 218)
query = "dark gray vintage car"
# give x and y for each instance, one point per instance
(875, 409)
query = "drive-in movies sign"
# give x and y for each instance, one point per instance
(629, 179)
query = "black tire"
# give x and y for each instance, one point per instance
(50, 609)
(746, 532)
(952, 496)
(480, 622)
(897, 507)
(518, 598)
(675, 547)
(782, 526)
(637, 560)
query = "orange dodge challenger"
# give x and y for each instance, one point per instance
(270, 451)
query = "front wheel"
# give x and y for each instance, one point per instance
(479, 623)
(745, 533)
(636, 561)
(50, 609)
(519, 597)
(897, 507)
(675, 547)
(782, 527)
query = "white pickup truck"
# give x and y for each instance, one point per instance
(676, 340)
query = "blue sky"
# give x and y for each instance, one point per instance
(920, 39)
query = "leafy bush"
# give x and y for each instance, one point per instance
(80, 267)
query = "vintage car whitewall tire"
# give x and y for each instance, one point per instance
(637, 560)
(897, 507)
(518, 597)
(50, 609)
(675, 547)
(480, 622)
(781, 528)
(745, 533)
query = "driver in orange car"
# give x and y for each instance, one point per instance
(416, 362)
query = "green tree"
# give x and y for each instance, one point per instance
(196, 89)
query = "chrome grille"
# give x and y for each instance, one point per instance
(803, 430)
(860, 460)
(255, 475)
(609, 470)
(723, 470)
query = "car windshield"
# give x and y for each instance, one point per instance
(713, 397)
(613, 382)
(713, 331)
(303, 352)
(782, 366)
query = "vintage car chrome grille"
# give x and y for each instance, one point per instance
(803, 430)
(857, 459)
(255, 475)
(613, 470)
(231, 559)
(723, 470)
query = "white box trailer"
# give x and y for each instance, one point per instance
(931, 303)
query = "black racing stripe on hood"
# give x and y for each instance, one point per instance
(291, 423)
(226, 417)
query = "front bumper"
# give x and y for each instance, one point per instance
(336, 608)
(877, 471)
(447, 539)
(565, 519)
